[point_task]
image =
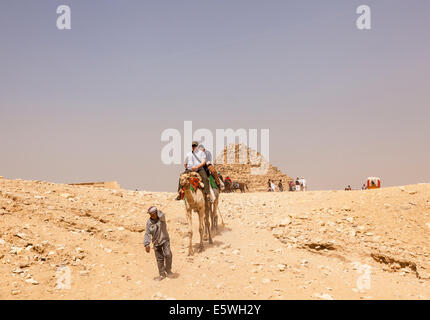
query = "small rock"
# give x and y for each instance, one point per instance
(277, 233)
(15, 250)
(32, 281)
(324, 296)
(285, 222)
(21, 235)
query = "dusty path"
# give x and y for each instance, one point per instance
(275, 246)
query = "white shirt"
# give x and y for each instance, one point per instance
(191, 160)
(273, 186)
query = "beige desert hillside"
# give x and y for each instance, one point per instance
(291, 245)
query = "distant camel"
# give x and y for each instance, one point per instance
(195, 201)
(240, 185)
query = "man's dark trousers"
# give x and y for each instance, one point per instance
(202, 173)
(164, 258)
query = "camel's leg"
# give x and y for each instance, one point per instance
(201, 227)
(212, 216)
(208, 210)
(205, 229)
(190, 231)
(215, 215)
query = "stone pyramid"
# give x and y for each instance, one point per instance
(243, 164)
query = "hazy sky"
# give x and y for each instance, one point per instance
(90, 103)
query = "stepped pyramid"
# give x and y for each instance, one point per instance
(243, 164)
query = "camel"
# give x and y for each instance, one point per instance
(236, 185)
(242, 187)
(195, 201)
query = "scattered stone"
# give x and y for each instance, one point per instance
(277, 233)
(285, 222)
(21, 235)
(15, 250)
(32, 281)
(323, 296)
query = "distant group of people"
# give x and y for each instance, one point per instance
(298, 185)
(363, 187)
(271, 187)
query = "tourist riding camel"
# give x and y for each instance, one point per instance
(195, 160)
(210, 166)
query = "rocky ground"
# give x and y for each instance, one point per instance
(370, 244)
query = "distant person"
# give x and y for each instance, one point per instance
(156, 228)
(348, 188)
(304, 185)
(280, 186)
(297, 184)
(363, 187)
(269, 186)
(291, 186)
(220, 176)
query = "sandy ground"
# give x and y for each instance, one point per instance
(370, 244)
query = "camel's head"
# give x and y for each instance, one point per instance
(187, 178)
(184, 179)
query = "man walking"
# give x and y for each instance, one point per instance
(156, 228)
(280, 186)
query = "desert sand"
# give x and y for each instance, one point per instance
(371, 244)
